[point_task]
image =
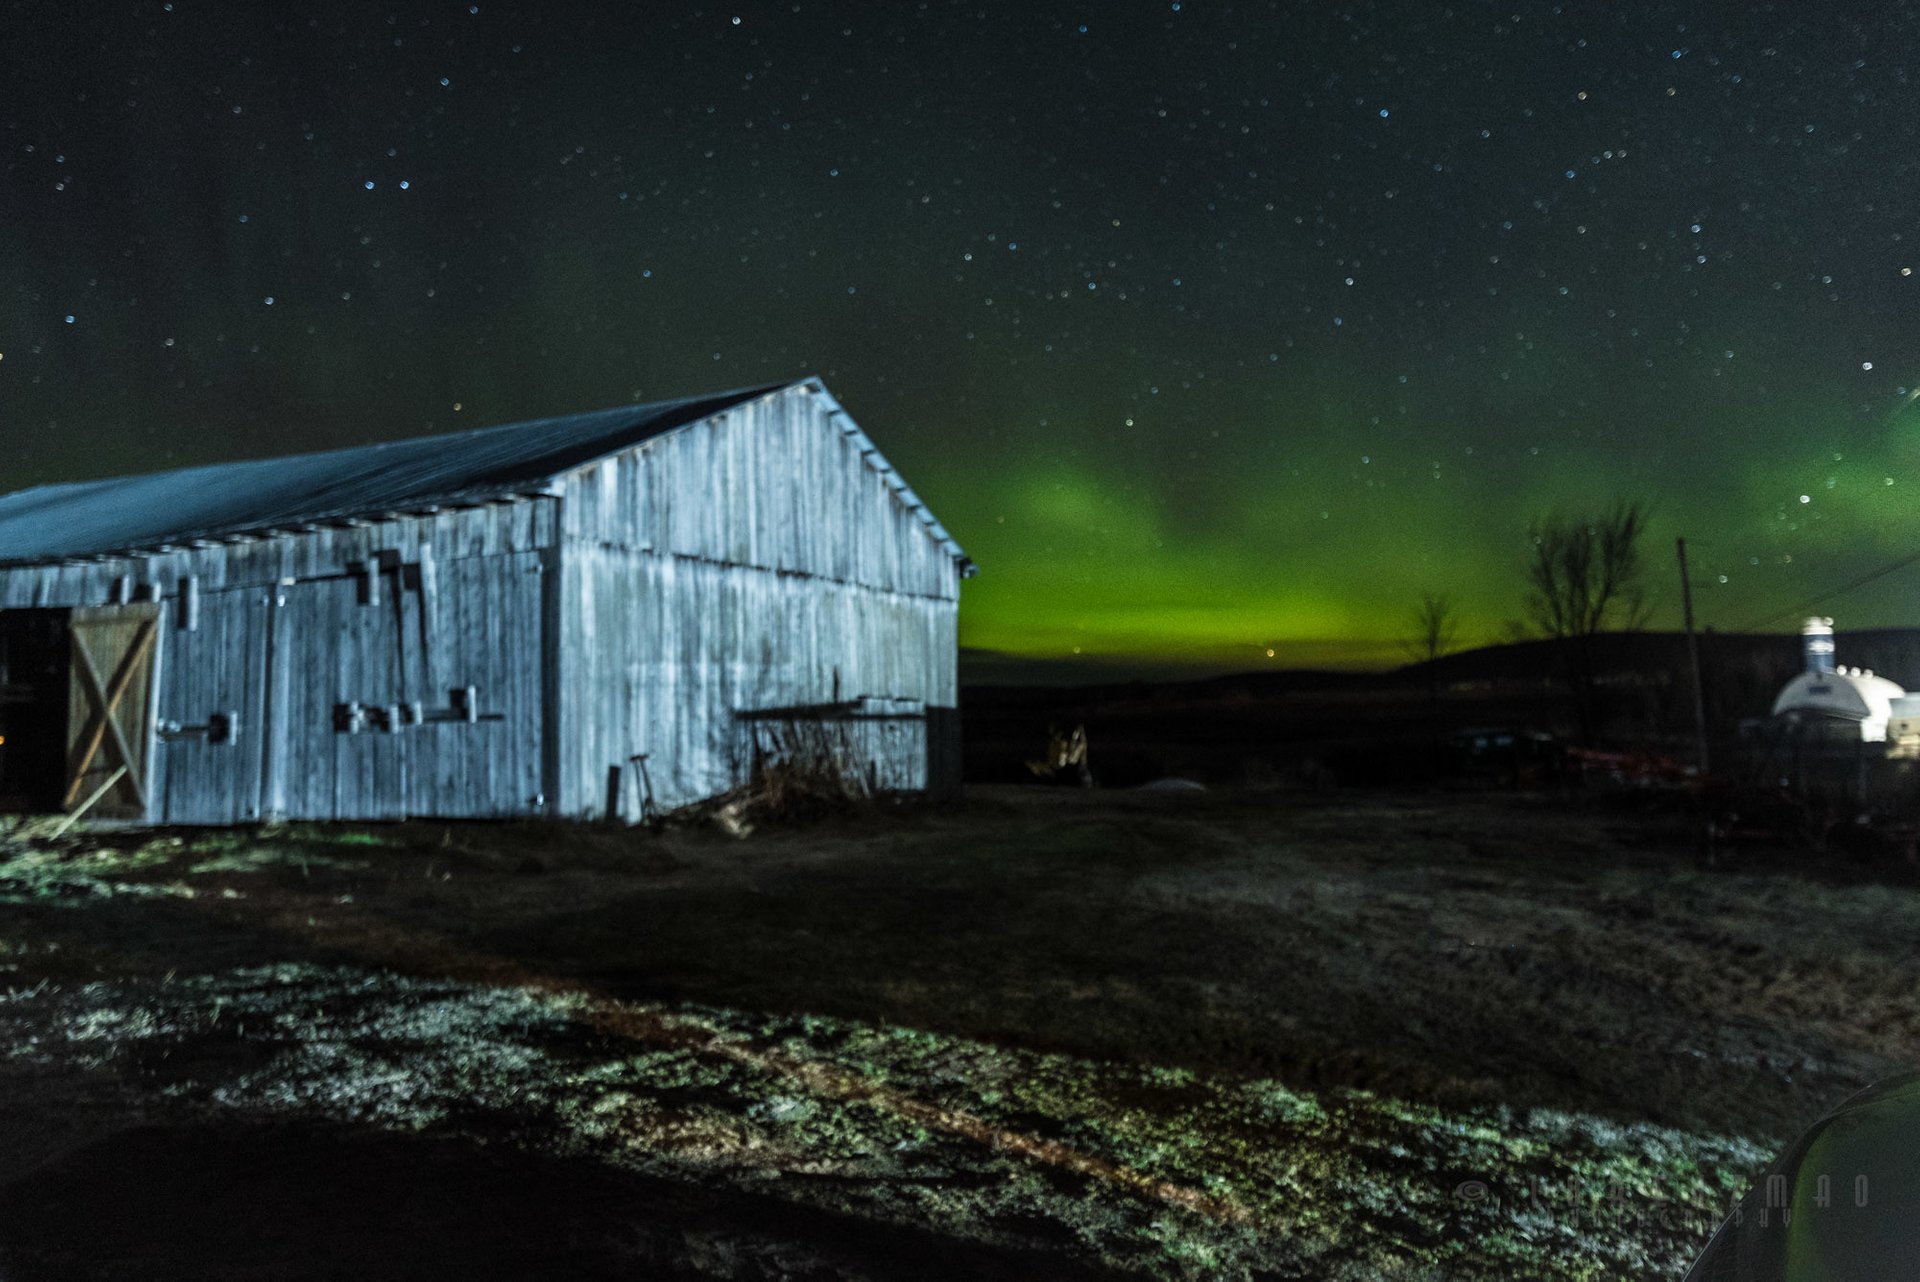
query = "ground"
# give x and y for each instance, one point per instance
(1044, 1033)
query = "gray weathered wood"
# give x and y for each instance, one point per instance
(640, 603)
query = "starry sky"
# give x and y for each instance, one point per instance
(1217, 333)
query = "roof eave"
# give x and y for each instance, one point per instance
(413, 509)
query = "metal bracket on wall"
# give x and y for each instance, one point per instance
(408, 576)
(463, 704)
(222, 729)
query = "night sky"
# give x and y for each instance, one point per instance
(1208, 329)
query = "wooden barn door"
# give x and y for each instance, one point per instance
(366, 713)
(343, 740)
(115, 654)
(213, 709)
(317, 767)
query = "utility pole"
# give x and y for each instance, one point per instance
(1693, 658)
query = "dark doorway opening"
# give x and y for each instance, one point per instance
(34, 699)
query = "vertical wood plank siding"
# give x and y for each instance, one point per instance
(755, 560)
(218, 666)
(758, 559)
(679, 646)
(280, 637)
(774, 484)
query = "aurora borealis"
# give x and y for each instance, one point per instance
(1208, 329)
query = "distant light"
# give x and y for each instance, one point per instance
(1806, 498)
(1906, 271)
(1866, 364)
(268, 300)
(1269, 654)
(1383, 113)
(69, 318)
(369, 184)
(404, 184)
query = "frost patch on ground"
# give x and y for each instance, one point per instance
(51, 872)
(78, 867)
(1158, 1170)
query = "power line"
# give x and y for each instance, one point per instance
(1842, 590)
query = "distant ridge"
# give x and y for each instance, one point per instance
(1763, 657)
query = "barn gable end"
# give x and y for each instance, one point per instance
(764, 558)
(786, 481)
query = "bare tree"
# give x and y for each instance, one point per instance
(1436, 628)
(1584, 577)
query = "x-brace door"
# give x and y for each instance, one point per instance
(115, 652)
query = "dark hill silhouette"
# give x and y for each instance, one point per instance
(1240, 725)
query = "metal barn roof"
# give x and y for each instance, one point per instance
(120, 514)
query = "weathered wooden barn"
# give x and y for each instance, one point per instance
(573, 617)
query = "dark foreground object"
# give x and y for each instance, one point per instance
(1842, 1204)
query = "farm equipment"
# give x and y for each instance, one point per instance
(1066, 749)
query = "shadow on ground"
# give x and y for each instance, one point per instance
(252, 1201)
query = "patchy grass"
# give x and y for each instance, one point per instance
(1140, 1169)
(123, 862)
(1049, 1032)
(77, 871)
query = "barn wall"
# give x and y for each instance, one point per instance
(756, 561)
(526, 525)
(671, 648)
(218, 666)
(479, 624)
(778, 483)
(284, 630)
